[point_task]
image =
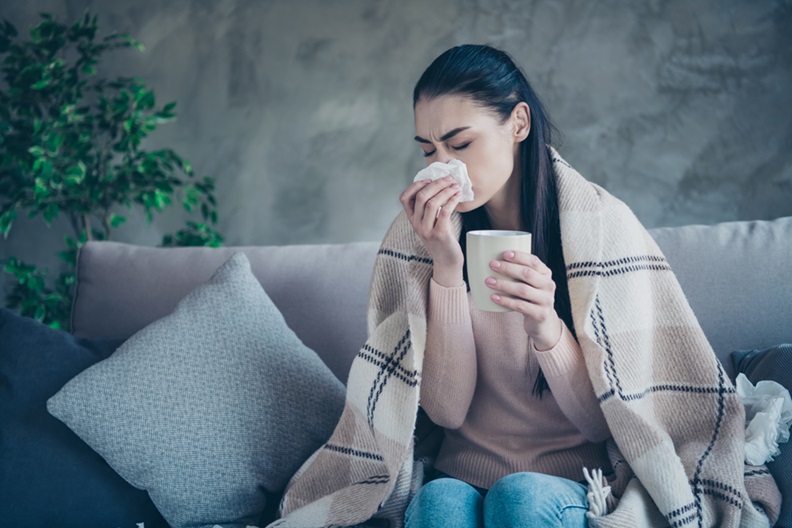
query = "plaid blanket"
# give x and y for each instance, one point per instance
(677, 424)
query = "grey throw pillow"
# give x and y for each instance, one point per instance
(209, 407)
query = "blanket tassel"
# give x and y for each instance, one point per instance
(597, 493)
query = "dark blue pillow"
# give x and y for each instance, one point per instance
(773, 364)
(48, 475)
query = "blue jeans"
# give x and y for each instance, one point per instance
(516, 500)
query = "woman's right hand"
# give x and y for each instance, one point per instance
(429, 206)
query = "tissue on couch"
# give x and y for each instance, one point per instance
(768, 415)
(456, 169)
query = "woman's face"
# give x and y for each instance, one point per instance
(455, 127)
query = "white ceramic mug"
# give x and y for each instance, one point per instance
(485, 246)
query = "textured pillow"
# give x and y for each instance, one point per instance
(773, 364)
(48, 476)
(209, 407)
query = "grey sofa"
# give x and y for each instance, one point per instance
(737, 277)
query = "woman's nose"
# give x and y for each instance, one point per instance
(444, 156)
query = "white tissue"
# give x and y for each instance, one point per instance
(456, 169)
(768, 415)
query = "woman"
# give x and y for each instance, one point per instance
(600, 343)
(512, 456)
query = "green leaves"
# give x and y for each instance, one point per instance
(33, 298)
(116, 220)
(195, 234)
(36, 151)
(75, 174)
(132, 42)
(6, 220)
(72, 144)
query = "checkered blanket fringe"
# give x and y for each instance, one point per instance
(677, 424)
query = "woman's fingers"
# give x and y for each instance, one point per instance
(434, 204)
(536, 312)
(527, 259)
(407, 198)
(529, 279)
(521, 290)
(427, 193)
(533, 272)
(450, 206)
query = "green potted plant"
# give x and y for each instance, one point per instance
(72, 144)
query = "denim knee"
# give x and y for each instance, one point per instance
(445, 502)
(535, 499)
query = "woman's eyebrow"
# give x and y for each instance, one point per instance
(445, 137)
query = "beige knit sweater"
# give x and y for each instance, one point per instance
(677, 423)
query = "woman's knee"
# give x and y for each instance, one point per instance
(523, 498)
(445, 502)
(447, 485)
(526, 486)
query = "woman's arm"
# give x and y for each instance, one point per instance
(448, 380)
(566, 374)
(449, 368)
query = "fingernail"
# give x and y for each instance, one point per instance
(490, 281)
(495, 264)
(448, 178)
(508, 254)
(455, 186)
(496, 297)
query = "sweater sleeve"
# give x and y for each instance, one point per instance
(566, 374)
(449, 368)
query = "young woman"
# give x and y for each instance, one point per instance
(511, 390)
(598, 354)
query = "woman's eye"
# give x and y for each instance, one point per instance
(427, 154)
(461, 147)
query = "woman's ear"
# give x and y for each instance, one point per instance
(521, 121)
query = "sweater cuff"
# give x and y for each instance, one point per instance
(448, 305)
(564, 358)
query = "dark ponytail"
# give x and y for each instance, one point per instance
(490, 78)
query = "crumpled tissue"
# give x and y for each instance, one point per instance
(456, 169)
(768, 415)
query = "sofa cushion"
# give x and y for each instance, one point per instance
(737, 277)
(208, 407)
(321, 290)
(48, 476)
(775, 364)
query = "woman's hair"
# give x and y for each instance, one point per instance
(490, 78)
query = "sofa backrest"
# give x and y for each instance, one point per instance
(321, 290)
(737, 277)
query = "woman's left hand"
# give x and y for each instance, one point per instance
(532, 294)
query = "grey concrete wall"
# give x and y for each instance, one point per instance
(302, 109)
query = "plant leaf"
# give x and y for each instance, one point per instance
(116, 220)
(75, 174)
(6, 220)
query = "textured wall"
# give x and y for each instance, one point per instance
(302, 109)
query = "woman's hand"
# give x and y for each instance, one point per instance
(429, 206)
(532, 294)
